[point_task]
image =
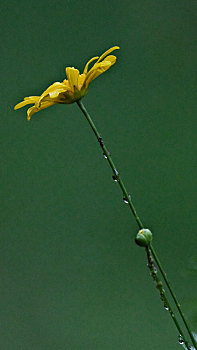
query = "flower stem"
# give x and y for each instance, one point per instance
(139, 222)
(159, 286)
(172, 294)
(111, 163)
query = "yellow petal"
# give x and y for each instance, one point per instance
(97, 70)
(52, 92)
(51, 88)
(35, 109)
(81, 80)
(72, 75)
(31, 111)
(87, 64)
(27, 100)
(55, 94)
(66, 83)
(110, 58)
(71, 89)
(107, 52)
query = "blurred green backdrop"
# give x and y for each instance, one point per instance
(71, 274)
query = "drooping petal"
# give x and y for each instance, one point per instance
(35, 109)
(31, 111)
(27, 100)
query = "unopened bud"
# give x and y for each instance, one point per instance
(144, 237)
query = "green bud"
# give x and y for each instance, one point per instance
(144, 237)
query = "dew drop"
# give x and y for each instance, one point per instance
(181, 341)
(155, 269)
(116, 172)
(114, 178)
(126, 200)
(164, 303)
(105, 155)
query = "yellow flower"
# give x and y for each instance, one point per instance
(71, 89)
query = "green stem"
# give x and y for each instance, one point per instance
(159, 286)
(139, 222)
(111, 163)
(172, 294)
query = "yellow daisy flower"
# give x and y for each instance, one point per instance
(71, 89)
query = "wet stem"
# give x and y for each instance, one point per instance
(152, 257)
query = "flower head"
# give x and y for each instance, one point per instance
(71, 89)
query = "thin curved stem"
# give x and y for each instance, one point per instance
(127, 198)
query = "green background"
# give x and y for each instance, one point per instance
(71, 276)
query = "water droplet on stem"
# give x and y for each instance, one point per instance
(126, 200)
(105, 155)
(181, 341)
(114, 178)
(155, 269)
